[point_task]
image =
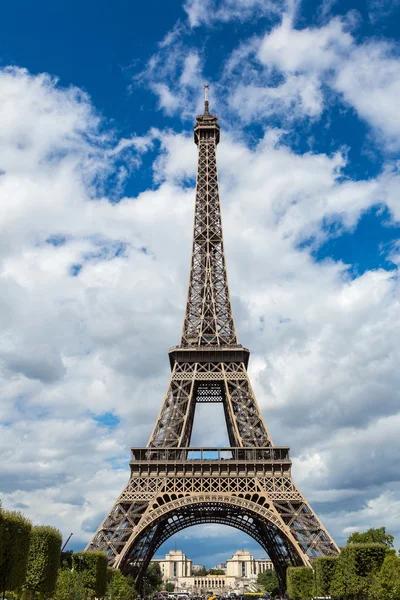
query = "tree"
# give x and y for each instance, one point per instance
(387, 583)
(66, 559)
(91, 569)
(217, 572)
(356, 570)
(300, 583)
(372, 536)
(324, 572)
(269, 582)
(66, 585)
(201, 572)
(43, 560)
(14, 549)
(169, 586)
(153, 579)
(120, 587)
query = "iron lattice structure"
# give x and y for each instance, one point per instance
(248, 485)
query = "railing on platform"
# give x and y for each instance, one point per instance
(249, 454)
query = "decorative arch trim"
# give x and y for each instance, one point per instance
(155, 514)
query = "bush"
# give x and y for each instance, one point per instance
(300, 583)
(269, 582)
(120, 587)
(357, 568)
(66, 585)
(91, 568)
(43, 560)
(387, 583)
(153, 579)
(324, 573)
(14, 549)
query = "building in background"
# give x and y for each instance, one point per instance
(197, 568)
(240, 573)
(243, 564)
(174, 565)
(220, 567)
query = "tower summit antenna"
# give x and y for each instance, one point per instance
(206, 105)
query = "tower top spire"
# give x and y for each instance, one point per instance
(206, 123)
(206, 105)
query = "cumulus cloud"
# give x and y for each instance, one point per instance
(92, 294)
(290, 72)
(300, 64)
(175, 75)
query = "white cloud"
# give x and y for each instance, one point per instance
(380, 9)
(296, 96)
(310, 60)
(174, 75)
(207, 12)
(370, 82)
(312, 49)
(73, 348)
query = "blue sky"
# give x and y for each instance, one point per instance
(97, 163)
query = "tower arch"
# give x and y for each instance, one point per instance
(165, 519)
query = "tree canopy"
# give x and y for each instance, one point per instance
(356, 571)
(120, 587)
(216, 572)
(66, 586)
(14, 548)
(372, 536)
(387, 584)
(300, 583)
(43, 560)
(324, 572)
(153, 579)
(269, 582)
(91, 569)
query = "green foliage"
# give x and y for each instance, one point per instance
(202, 571)
(269, 582)
(324, 573)
(169, 586)
(217, 572)
(356, 570)
(66, 585)
(372, 536)
(43, 560)
(153, 579)
(91, 569)
(300, 583)
(66, 559)
(120, 587)
(387, 582)
(14, 548)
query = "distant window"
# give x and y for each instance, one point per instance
(243, 569)
(175, 569)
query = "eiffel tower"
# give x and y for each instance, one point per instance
(173, 485)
